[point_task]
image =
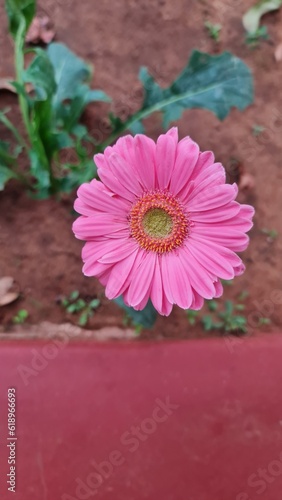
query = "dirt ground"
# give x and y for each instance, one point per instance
(36, 243)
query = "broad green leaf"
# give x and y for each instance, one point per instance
(72, 75)
(145, 318)
(5, 175)
(63, 140)
(217, 83)
(70, 72)
(17, 11)
(40, 74)
(94, 95)
(77, 174)
(137, 128)
(70, 113)
(251, 19)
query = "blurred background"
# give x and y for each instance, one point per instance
(38, 249)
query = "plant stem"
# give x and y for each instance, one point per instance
(19, 66)
(23, 102)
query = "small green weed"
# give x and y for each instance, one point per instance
(20, 317)
(253, 39)
(75, 304)
(226, 319)
(213, 30)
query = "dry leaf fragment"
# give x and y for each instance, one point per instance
(247, 182)
(40, 30)
(6, 296)
(5, 84)
(278, 53)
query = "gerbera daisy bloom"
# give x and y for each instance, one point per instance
(161, 224)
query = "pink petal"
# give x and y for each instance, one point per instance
(197, 302)
(218, 289)
(145, 150)
(95, 249)
(199, 278)
(108, 178)
(157, 287)
(94, 268)
(229, 237)
(93, 196)
(165, 159)
(215, 197)
(246, 211)
(123, 249)
(210, 260)
(186, 192)
(142, 279)
(158, 297)
(217, 215)
(186, 158)
(214, 177)
(210, 246)
(86, 228)
(239, 270)
(166, 307)
(125, 174)
(100, 160)
(121, 273)
(205, 160)
(173, 133)
(176, 280)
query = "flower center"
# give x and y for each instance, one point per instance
(158, 222)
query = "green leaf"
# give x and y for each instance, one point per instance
(71, 308)
(97, 95)
(70, 72)
(5, 175)
(207, 322)
(145, 318)
(228, 307)
(212, 305)
(72, 75)
(41, 174)
(77, 174)
(80, 304)
(217, 83)
(137, 128)
(251, 19)
(74, 295)
(40, 74)
(83, 319)
(5, 157)
(192, 316)
(18, 10)
(94, 303)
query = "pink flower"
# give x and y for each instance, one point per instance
(162, 224)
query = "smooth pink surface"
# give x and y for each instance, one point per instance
(77, 408)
